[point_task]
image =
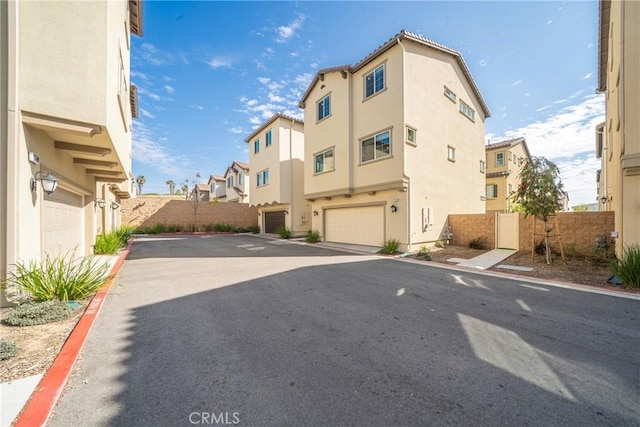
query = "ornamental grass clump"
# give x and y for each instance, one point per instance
(312, 236)
(390, 246)
(107, 244)
(38, 313)
(8, 349)
(284, 232)
(627, 267)
(62, 278)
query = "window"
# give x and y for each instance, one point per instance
(324, 161)
(449, 94)
(467, 111)
(256, 146)
(263, 177)
(510, 188)
(268, 138)
(499, 159)
(492, 191)
(374, 82)
(324, 108)
(240, 178)
(230, 182)
(451, 153)
(482, 166)
(376, 147)
(411, 135)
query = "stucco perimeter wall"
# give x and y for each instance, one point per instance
(147, 211)
(579, 231)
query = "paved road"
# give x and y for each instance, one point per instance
(246, 330)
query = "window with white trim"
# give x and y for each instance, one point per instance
(467, 111)
(451, 153)
(482, 166)
(376, 147)
(324, 162)
(324, 107)
(492, 191)
(411, 135)
(268, 138)
(374, 81)
(499, 159)
(450, 94)
(256, 146)
(240, 178)
(262, 178)
(230, 182)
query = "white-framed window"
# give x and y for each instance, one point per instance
(324, 162)
(324, 107)
(492, 191)
(230, 182)
(450, 94)
(451, 153)
(262, 178)
(376, 147)
(374, 81)
(240, 178)
(412, 135)
(256, 146)
(467, 111)
(268, 138)
(500, 159)
(482, 166)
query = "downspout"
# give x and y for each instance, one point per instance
(404, 157)
(291, 172)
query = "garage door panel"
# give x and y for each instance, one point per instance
(62, 223)
(273, 221)
(359, 225)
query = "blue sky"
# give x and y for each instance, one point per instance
(210, 72)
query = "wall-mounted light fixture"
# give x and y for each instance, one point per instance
(315, 213)
(100, 203)
(114, 205)
(47, 180)
(394, 208)
(605, 199)
(259, 213)
(286, 212)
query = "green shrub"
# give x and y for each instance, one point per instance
(222, 227)
(390, 246)
(478, 243)
(157, 229)
(107, 244)
(312, 236)
(627, 268)
(284, 232)
(440, 244)
(7, 349)
(124, 234)
(172, 228)
(141, 230)
(423, 254)
(38, 313)
(255, 229)
(57, 278)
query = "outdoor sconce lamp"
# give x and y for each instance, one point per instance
(604, 199)
(315, 213)
(286, 212)
(101, 203)
(47, 180)
(114, 205)
(394, 208)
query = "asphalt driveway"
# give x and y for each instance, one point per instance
(238, 329)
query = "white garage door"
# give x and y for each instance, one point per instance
(360, 226)
(62, 224)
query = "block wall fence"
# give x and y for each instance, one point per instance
(147, 211)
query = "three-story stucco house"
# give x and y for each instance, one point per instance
(394, 144)
(504, 162)
(217, 188)
(276, 158)
(237, 185)
(618, 138)
(66, 118)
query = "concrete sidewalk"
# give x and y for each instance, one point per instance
(486, 260)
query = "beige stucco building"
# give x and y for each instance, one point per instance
(505, 160)
(276, 158)
(394, 144)
(237, 188)
(67, 107)
(618, 138)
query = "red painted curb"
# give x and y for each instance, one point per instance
(45, 397)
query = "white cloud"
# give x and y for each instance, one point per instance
(144, 92)
(220, 62)
(590, 45)
(169, 89)
(546, 107)
(285, 32)
(483, 63)
(197, 107)
(264, 80)
(588, 76)
(147, 114)
(139, 75)
(148, 150)
(237, 130)
(549, 21)
(516, 83)
(167, 78)
(153, 56)
(527, 94)
(255, 120)
(252, 103)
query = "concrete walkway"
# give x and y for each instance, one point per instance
(486, 260)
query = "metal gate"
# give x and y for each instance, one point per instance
(508, 231)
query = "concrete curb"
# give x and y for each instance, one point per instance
(45, 397)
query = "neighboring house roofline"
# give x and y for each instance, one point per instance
(343, 69)
(402, 35)
(240, 165)
(604, 11)
(509, 143)
(272, 119)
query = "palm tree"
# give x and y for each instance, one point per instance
(185, 188)
(172, 186)
(140, 180)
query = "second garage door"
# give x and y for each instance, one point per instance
(360, 226)
(273, 221)
(62, 225)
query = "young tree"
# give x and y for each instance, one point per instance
(140, 180)
(172, 186)
(540, 193)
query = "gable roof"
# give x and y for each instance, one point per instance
(509, 143)
(237, 166)
(269, 121)
(216, 178)
(402, 35)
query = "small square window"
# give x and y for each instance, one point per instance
(492, 191)
(482, 166)
(411, 135)
(499, 159)
(451, 153)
